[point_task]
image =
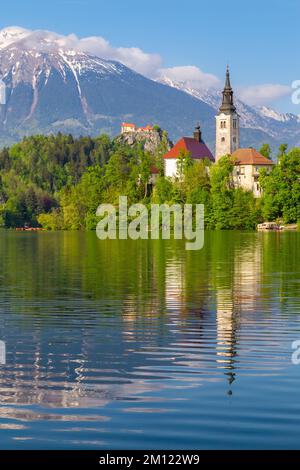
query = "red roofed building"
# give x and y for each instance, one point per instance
(248, 163)
(145, 129)
(250, 156)
(194, 146)
(129, 127)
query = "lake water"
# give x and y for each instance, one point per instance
(129, 345)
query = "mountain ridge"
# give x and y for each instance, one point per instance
(262, 118)
(53, 87)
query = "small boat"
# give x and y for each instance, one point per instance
(29, 229)
(269, 227)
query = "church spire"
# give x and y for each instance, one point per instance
(227, 106)
(228, 123)
(228, 84)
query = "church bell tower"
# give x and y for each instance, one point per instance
(227, 123)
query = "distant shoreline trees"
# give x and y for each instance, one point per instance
(57, 182)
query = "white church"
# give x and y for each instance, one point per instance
(248, 162)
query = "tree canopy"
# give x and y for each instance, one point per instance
(58, 182)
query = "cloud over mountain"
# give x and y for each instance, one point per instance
(146, 63)
(63, 83)
(262, 94)
(192, 76)
(142, 62)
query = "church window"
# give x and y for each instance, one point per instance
(234, 139)
(234, 124)
(223, 139)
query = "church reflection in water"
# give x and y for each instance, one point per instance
(187, 326)
(234, 297)
(234, 302)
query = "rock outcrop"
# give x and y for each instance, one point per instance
(155, 141)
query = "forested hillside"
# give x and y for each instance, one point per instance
(58, 182)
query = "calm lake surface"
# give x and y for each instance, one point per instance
(129, 345)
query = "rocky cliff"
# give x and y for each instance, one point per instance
(155, 141)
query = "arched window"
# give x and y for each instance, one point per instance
(223, 139)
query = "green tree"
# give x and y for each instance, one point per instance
(163, 190)
(266, 151)
(221, 193)
(281, 189)
(282, 150)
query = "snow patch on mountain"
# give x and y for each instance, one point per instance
(73, 69)
(281, 117)
(12, 34)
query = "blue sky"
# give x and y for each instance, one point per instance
(258, 38)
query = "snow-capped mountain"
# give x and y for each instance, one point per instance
(282, 117)
(10, 35)
(281, 127)
(52, 86)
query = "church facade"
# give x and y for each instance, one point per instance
(247, 161)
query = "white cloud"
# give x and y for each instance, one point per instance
(192, 76)
(148, 64)
(140, 61)
(12, 34)
(262, 94)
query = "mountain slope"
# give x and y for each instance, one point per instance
(257, 122)
(50, 87)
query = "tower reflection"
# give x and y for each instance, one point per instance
(234, 302)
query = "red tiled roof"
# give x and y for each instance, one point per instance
(250, 157)
(197, 150)
(127, 124)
